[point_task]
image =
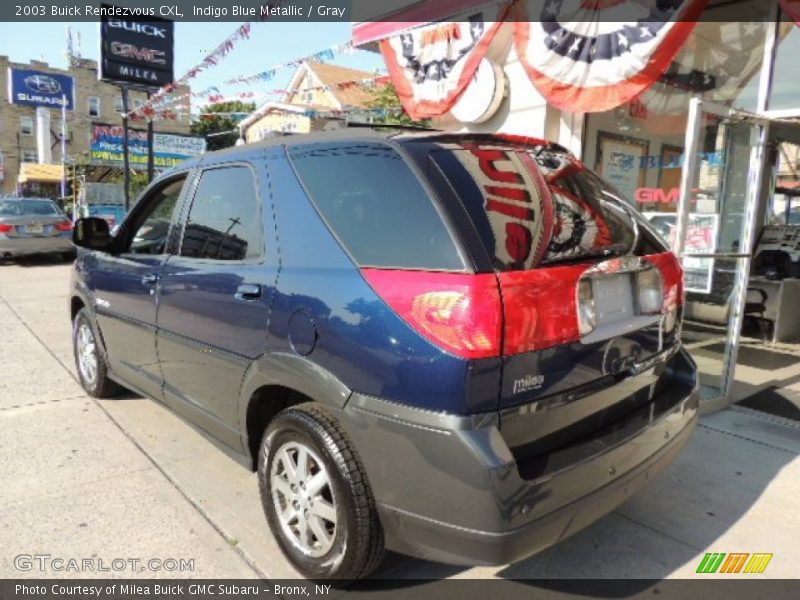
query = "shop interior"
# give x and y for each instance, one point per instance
(741, 239)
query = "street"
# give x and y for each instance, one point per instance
(126, 478)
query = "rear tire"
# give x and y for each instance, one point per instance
(317, 498)
(90, 361)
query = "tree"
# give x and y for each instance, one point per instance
(386, 98)
(210, 123)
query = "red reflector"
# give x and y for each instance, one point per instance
(64, 226)
(459, 313)
(540, 307)
(672, 272)
(6, 228)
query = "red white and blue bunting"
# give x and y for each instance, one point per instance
(432, 66)
(591, 56)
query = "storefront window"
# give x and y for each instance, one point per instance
(638, 147)
(785, 93)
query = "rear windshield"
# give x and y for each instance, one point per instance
(580, 217)
(18, 208)
(376, 206)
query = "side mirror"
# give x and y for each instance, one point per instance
(92, 233)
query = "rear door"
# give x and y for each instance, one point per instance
(585, 283)
(214, 296)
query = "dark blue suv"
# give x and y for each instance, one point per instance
(460, 347)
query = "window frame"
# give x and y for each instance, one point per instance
(470, 267)
(89, 106)
(28, 152)
(132, 222)
(26, 119)
(189, 202)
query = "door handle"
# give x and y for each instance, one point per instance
(247, 292)
(150, 279)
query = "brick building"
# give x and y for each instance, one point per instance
(95, 102)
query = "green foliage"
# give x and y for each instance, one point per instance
(210, 123)
(386, 97)
(138, 183)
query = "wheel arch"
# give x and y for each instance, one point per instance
(276, 382)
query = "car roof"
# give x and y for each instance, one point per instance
(363, 134)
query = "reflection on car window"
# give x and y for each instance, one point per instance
(376, 206)
(151, 235)
(19, 208)
(223, 222)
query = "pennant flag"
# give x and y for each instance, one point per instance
(791, 9)
(592, 56)
(432, 66)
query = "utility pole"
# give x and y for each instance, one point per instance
(125, 157)
(149, 147)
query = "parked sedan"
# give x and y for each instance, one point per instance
(34, 226)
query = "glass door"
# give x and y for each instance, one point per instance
(721, 185)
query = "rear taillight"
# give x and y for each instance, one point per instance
(6, 228)
(648, 286)
(672, 273)
(460, 313)
(63, 226)
(540, 307)
(587, 318)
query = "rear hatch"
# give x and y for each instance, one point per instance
(590, 294)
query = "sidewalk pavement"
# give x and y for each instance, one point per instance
(126, 478)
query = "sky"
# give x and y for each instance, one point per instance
(269, 44)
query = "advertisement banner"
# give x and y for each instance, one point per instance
(139, 52)
(701, 238)
(37, 88)
(169, 149)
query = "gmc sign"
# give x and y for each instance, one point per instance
(136, 51)
(148, 55)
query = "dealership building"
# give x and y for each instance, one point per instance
(692, 112)
(31, 126)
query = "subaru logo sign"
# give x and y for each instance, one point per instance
(42, 84)
(37, 88)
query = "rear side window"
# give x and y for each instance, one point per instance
(224, 220)
(579, 217)
(376, 206)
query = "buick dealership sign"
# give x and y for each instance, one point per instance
(137, 52)
(36, 88)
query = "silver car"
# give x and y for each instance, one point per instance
(34, 226)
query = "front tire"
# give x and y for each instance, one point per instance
(317, 498)
(89, 359)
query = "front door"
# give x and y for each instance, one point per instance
(124, 284)
(214, 298)
(721, 184)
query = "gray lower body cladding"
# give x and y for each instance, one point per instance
(453, 489)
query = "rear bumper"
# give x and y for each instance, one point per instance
(18, 246)
(449, 489)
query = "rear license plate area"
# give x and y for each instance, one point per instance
(613, 298)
